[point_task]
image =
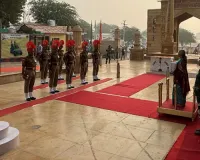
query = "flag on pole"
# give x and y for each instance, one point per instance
(100, 32)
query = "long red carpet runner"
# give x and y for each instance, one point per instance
(48, 98)
(14, 69)
(114, 103)
(186, 147)
(133, 85)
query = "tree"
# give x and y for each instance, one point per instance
(186, 37)
(144, 33)
(86, 28)
(11, 11)
(129, 34)
(107, 28)
(63, 13)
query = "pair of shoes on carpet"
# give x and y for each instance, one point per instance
(53, 92)
(30, 99)
(70, 87)
(84, 83)
(44, 83)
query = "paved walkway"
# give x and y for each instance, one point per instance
(78, 132)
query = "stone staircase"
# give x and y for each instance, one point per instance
(9, 137)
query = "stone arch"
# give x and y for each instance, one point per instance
(181, 16)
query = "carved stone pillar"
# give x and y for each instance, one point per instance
(168, 46)
(117, 41)
(77, 37)
(117, 37)
(137, 53)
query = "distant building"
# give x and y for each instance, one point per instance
(38, 32)
(106, 36)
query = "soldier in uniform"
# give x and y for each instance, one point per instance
(60, 54)
(96, 60)
(108, 55)
(74, 52)
(29, 71)
(44, 57)
(54, 67)
(84, 62)
(69, 59)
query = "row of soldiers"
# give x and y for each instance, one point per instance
(53, 63)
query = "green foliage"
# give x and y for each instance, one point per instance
(63, 13)
(129, 34)
(11, 11)
(144, 33)
(86, 28)
(186, 37)
(129, 31)
(107, 28)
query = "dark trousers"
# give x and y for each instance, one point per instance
(108, 58)
(69, 73)
(60, 66)
(44, 69)
(29, 81)
(95, 69)
(53, 75)
(84, 68)
(123, 56)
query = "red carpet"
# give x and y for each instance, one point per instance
(48, 98)
(133, 85)
(47, 85)
(14, 69)
(114, 103)
(187, 146)
(188, 107)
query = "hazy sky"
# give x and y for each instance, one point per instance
(115, 11)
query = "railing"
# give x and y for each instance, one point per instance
(160, 86)
(160, 98)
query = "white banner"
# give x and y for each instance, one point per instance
(13, 36)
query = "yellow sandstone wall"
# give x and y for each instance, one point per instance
(60, 37)
(154, 42)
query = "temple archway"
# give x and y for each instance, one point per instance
(178, 19)
(164, 24)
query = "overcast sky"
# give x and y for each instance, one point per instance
(115, 11)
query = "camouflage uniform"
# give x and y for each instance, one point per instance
(44, 57)
(84, 65)
(69, 59)
(95, 61)
(28, 73)
(53, 71)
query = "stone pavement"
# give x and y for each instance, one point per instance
(58, 130)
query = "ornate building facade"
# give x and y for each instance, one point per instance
(163, 24)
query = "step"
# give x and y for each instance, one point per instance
(3, 129)
(10, 142)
